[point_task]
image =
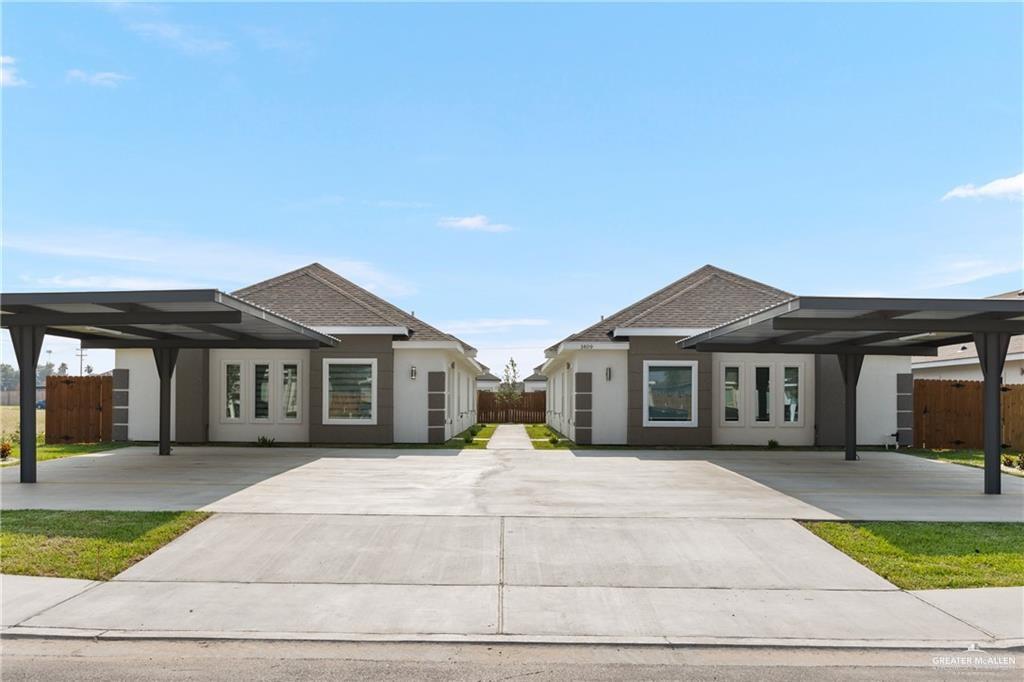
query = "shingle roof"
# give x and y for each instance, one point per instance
(536, 376)
(705, 298)
(319, 297)
(487, 377)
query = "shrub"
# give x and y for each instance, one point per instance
(1020, 461)
(1008, 460)
(772, 444)
(468, 438)
(553, 439)
(265, 442)
(6, 447)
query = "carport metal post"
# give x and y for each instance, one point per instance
(992, 348)
(165, 359)
(27, 341)
(849, 366)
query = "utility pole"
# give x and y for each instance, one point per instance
(81, 353)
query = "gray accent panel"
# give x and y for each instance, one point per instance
(435, 418)
(355, 346)
(584, 382)
(829, 402)
(643, 348)
(435, 401)
(435, 382)
(905, 436)
(905, 403)
(119, 432)
(120, 398)
(904, 383)
(584, 419)
(119, 415)
(435, 435)
(584, 401)
(904, 420)
(120, 377)
(192, 396)
(583, 436)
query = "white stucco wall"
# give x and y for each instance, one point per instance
(143, 393)
(876, 397)
(249, 429)
(410, 395)
(747, 431)
(1013, 372)
(559, 398)
(609, 396)
(534, 386)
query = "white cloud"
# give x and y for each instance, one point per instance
(183, 38)
(472, 223)
(951, 273)
(9, 72)
(102, 79)
(1002, 188)
(491, 325)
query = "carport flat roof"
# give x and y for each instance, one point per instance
(179, 318)
(869, 326)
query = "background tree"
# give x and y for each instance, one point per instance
(43, 371)
(508, 390)
(9, 377)
(88, 370)
(63, 369)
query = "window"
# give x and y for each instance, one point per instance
(670, 390)
(349, 391)
(763, 394)
(791, 395)
(261, 391)
(232, 391)
(289, 390)
(731, 395)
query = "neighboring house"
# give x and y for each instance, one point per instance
(960, 361)
(624, 380)
(535, 382)
(487, 382)
(392, 378)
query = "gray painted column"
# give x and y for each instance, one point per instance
(27, 341)
(992, 349)
(850, 365)
(165, 359)
(584, 402)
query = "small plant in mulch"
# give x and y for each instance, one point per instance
(772, 444)
(1020, 461)
(265, 442)
(1008, 460)
(6, 448)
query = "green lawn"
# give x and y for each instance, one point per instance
(45, 452)
(971, 458)
(479, 441)
(540, 435)
(92, 545)
(924, 555)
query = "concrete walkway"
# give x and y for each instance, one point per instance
(510, 437)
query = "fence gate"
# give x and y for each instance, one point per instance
(948, 414)
(528, 409)
(79, 409)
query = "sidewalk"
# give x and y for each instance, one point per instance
(510, 437)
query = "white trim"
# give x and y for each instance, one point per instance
(680, 332)
(772, 388)
(429, 345)
(325, 392)
(799, 394)
(223, 392)
(740, 402)
(280, 416)
(952, 362)
(356, 330)
(692, 364)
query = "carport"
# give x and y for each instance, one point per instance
(851, 328)
(165, 321)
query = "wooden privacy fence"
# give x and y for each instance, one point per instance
(529, 409)
(948, 414)
(79, 409)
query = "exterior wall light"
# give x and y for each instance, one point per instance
(412, 372)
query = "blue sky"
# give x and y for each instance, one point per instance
(512, 172)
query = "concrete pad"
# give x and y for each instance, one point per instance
(998, 611)
(510, 437)
(735, 553)
(183, 607)
(768, 614)
(297, 548)
(24, 596)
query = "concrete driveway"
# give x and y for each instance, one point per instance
(516, 545)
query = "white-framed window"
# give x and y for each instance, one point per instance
(761, 381)
(732, 394)
(350, 391)
(231, 392)
(261, 371)
(792, 394)
(290, 384)
(670, 393)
